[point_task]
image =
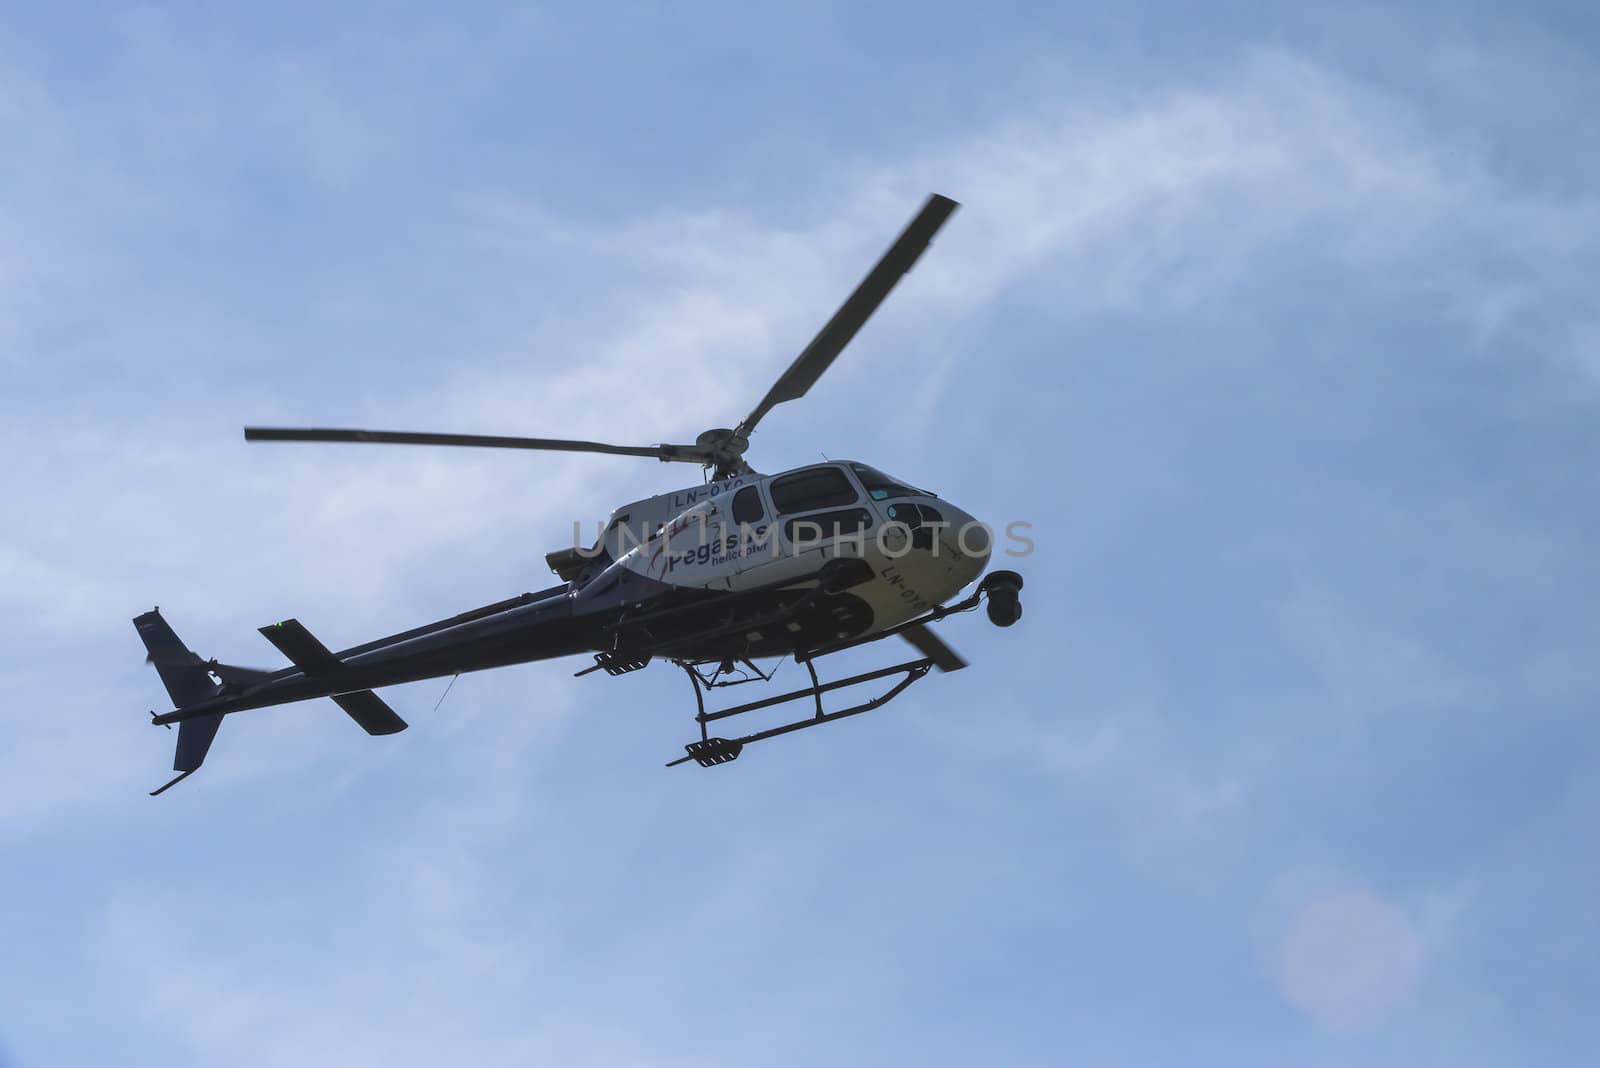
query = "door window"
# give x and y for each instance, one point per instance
(747, 508)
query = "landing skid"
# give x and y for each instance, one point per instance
(709, 751)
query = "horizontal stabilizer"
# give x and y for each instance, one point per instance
(311, 656)
(370, 712)
(933, 647)
(301, 647)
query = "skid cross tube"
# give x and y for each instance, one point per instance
(815, 688)
(709, 751)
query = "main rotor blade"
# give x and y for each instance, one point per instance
(689, 453)
(933, 647)
(857, 308)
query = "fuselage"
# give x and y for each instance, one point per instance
(769, 535)
(728, 569)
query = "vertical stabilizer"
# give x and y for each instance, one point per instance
(188, 681)
(185, 675)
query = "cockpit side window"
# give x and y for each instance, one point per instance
(880, 487)
(812, 530)
(747, 507)
(806, 491)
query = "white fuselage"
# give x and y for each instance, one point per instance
(763, 530)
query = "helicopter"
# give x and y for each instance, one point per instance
(709, 578)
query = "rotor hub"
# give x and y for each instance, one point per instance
(722, 443)
(723, 449)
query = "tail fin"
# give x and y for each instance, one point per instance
(187, 678)
(188, 681)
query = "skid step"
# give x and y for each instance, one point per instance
(710, 752)
(615, 664)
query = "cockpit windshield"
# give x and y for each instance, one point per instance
(880, 487)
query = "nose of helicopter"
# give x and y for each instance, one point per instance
(968, 540)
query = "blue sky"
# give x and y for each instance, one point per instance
(1277, 325)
